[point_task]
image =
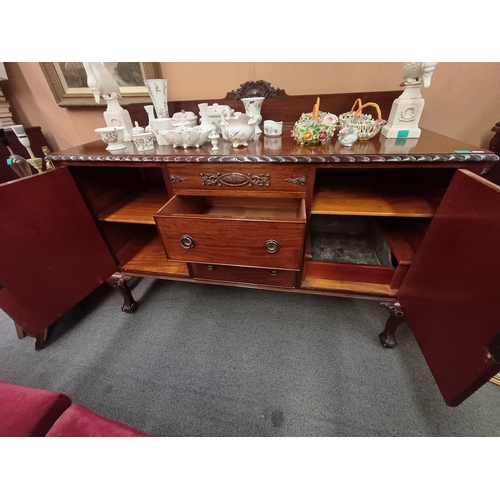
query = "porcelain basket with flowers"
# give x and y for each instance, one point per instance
(366, 125)
(314, 128)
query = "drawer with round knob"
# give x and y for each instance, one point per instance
(259, 232)
(245, 275)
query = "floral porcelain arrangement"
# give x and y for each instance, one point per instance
(348, 136)
(367, 126)
(314, 128)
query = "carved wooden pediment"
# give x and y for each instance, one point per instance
(260, 88)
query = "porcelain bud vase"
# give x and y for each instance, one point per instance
(157, 89)
(253, 106)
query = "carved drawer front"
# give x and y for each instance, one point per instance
(249, 275)
(260, 232)
(238, 178)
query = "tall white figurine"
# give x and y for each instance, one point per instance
(102, 81)
(407, 108)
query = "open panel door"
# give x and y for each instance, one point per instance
(451, 292)
(51, 252)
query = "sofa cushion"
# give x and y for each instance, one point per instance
(25, 411)
(79, 421)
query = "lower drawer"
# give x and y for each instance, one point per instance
(250, 275)
(258, 232)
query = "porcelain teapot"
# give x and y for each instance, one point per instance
(237, 129)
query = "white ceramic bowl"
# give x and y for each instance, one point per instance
(112, 136)
(187, 137)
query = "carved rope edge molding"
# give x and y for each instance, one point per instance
(475, 157)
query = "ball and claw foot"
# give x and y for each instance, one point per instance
(396, 318)
(119, 282)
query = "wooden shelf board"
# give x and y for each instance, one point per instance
(348, 286)
(151, 258)
(138, 208)
(371, 200)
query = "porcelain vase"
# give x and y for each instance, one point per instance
(253, 106)
(116, 116)
(157, 88)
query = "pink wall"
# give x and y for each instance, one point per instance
(463, 100)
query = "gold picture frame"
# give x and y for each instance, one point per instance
(70, 90)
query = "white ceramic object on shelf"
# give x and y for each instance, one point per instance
(407, 108)
(116, 116)
(238, 129)
(112, 136)
(160, 124)
(187, 137)
(272, 128)
(157, 88)
(184, 119)
(150, 110)
(348, 136)
(253, 107)
(144, 142)
(212, 114)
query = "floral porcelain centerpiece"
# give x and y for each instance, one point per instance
(314, 128)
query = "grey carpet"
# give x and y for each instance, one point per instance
(204, 360)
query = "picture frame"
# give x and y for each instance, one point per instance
(69, 86)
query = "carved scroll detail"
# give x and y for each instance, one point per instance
(175, 179)
(235, 179)
(300, 181)
(260, 88)
(394, 308)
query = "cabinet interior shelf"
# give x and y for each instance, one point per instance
(137, 208)
(376, 200)
(145, 254)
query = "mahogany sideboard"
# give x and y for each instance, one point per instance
(409, 223)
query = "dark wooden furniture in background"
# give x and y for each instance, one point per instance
(37, 140)
(262, 216)
(493, 172)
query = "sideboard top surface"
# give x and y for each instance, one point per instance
(430, 147)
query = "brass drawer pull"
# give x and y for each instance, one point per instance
(273, 272)
(271, 246)
(187, 242)
(210, 267)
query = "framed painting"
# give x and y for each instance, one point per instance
(68, 82)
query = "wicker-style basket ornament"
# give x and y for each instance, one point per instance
(367, 126)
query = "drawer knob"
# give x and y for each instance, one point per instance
(210, 267)
(187, 242)
(271, 246)
(273, 272)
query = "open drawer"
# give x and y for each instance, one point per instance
(258, 232)
(361, 250)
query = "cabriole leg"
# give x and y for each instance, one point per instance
(119, 282)
(396, 318)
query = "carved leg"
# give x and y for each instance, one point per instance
(119, 282)
(396, 318)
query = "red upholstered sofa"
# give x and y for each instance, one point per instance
(25, 412)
